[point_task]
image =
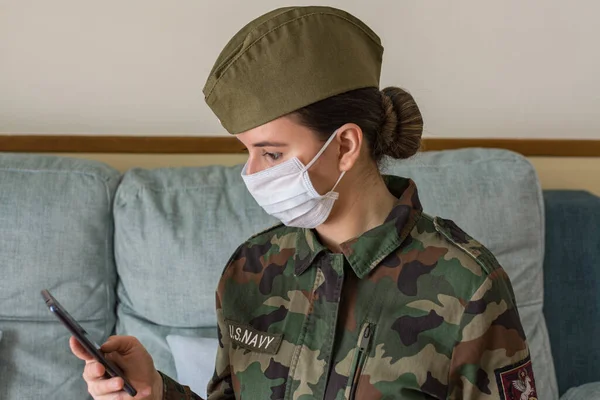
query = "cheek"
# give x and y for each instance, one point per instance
(324, 173)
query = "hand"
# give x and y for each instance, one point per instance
(137, 365)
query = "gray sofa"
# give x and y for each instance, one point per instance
(141, 253)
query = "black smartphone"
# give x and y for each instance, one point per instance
(88, 344)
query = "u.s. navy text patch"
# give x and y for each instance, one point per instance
(515, 382)
(249, 338)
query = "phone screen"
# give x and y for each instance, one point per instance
(86, 341)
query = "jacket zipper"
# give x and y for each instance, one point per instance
(361, 357)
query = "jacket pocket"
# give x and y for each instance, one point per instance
(360, 358)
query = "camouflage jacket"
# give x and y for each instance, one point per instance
(412, 309)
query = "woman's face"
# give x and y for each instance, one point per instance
(284, 138)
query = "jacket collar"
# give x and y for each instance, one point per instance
(366, 251)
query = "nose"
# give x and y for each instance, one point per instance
(251, 166)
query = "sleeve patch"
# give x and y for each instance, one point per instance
(516, 382)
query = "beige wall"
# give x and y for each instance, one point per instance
(508, 68)
(568, 173)
(554, 173)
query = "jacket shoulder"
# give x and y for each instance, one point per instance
(259, 243)
(466, 243)
(266, 233)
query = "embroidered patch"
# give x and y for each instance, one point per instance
(515, 382)
(249, 338)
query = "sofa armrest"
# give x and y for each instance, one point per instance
(572, 285)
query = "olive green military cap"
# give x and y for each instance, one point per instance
(287, 59)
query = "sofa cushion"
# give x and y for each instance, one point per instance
(175, 229)
(572, 275)
(589, 391)
(194, 358)
(56, 234)
(495, 196)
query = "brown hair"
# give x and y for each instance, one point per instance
(390, 119)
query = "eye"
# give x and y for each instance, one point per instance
(272, 156)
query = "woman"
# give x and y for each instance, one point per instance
(358, 294)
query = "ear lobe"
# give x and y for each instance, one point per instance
(350, 138)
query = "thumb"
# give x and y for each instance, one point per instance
(78, 350)
(120, 344)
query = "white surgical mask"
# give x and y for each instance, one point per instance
(286, 192)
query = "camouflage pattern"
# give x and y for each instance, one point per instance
(174, 391)
(413, 309)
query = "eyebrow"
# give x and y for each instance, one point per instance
(269, 144)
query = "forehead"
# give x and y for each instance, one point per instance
(284, 130)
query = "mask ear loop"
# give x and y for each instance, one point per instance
(315, 158)
(332, 194)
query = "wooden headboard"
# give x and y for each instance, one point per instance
(230, 145)
(560, 164)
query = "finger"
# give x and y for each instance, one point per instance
(143, 393)
(78, 350)
(120, 344)
(104, 387)
(93, 371)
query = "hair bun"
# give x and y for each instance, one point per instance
(403, 124)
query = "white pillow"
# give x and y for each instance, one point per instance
(194, 360)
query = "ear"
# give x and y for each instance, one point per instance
(350, 138)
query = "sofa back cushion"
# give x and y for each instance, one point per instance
(176, 228)
(55, 234)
